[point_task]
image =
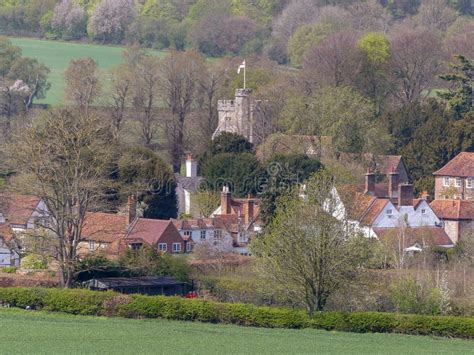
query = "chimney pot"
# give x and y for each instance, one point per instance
(226, 201)
(191, 166)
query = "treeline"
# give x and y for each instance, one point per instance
(221, 27)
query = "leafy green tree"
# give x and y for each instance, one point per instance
(375, 46)
(242, 173)
(462, 75)
(8, 55)
(284, 172)
(142, 172)
(306, 250)
(227, 142)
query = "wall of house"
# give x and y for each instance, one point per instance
(452, 229)
(413, 217)
(7, 256)
(461, 192)
(225, 241)
(39, 215)
(170, 236)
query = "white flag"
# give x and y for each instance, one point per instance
(242, 66)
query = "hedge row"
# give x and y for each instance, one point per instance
(85, 302)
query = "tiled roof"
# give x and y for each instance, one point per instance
(424, 236)
(453, 209)
(381, 189)
(374, 211)
(151, 231)
(199, 223)
(383, 163)
(17, 209)
(461, 165)
(104, 227)
(355, 202)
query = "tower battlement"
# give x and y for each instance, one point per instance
(226, 105)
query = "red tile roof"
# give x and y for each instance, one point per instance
(104, 227)
(385, 164)
(17, 209)
(374, 211)
(200, 223)
(424, 236)
(151, 231)
(453, 209)
(461, 165)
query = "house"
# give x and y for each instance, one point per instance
(241, 216)
(186, 186)
(455, 180)
(457, 217)
(159, 234)
(211, 232)
(8, 253)
(379, 210)
(23, 212)
(147, 285)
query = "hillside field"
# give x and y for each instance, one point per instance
(39, 332)
(57, 55)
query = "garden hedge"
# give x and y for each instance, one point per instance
(85, 302)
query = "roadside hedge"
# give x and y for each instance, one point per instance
(85, 302)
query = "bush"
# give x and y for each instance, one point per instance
(85, 302)
(33, 261)
(9, 269)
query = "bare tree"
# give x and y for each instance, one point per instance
(145, 95)
(121, 83)
(82, 83)
(179, 73)
(436, 15)
(62, 159)
(416, 59)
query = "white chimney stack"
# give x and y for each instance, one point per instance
(191, 166)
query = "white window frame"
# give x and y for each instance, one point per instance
(470, 183)
(202, 235)
(162, 246)
(389, 212)
(176, 247)
(188, 233)
(91, 245)
(458, 182)
(446, 181)
(423, 211)
(189, 246)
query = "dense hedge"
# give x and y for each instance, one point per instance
(87, 302)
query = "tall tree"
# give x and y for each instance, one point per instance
(62, 159)
(120, 94)
(306, 250)
(82, 83)
(179, 73)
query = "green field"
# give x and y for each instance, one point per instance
(39, 332)
(57, 55)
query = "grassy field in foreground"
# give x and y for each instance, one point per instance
(39, 332)
(57, 55)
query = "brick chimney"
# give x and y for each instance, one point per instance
(191, 166)
(226, 200)
(248, 210)
(369, 183)
(131, 209)
(405, 195)
(393, 181)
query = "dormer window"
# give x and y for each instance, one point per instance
(458, 182)
(446, 181)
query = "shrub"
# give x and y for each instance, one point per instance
(9, 269)
(85, 302)
(33, 261)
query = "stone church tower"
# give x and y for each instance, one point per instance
(239, 116)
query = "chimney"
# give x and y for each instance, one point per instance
(131, 209)
(369, 183)
(393, 181)
(425, 195)
(225, 201)
(405, 195)
(248, 210)
(191, 166)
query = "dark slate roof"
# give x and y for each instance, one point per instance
(188, 183)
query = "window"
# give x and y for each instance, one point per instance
(162, 246)
(135, 246)
(189, 246)
(203, 235)
(458, 182)
(217, 234)
(470, 183)
(187, 233)
(176, 247)
(423, 211)
(446, 181)
(91, 245)
(389, 212)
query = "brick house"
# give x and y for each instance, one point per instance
(455, 180)
(457, 217)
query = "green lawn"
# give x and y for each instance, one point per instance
(38, 332)
(57, 55)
